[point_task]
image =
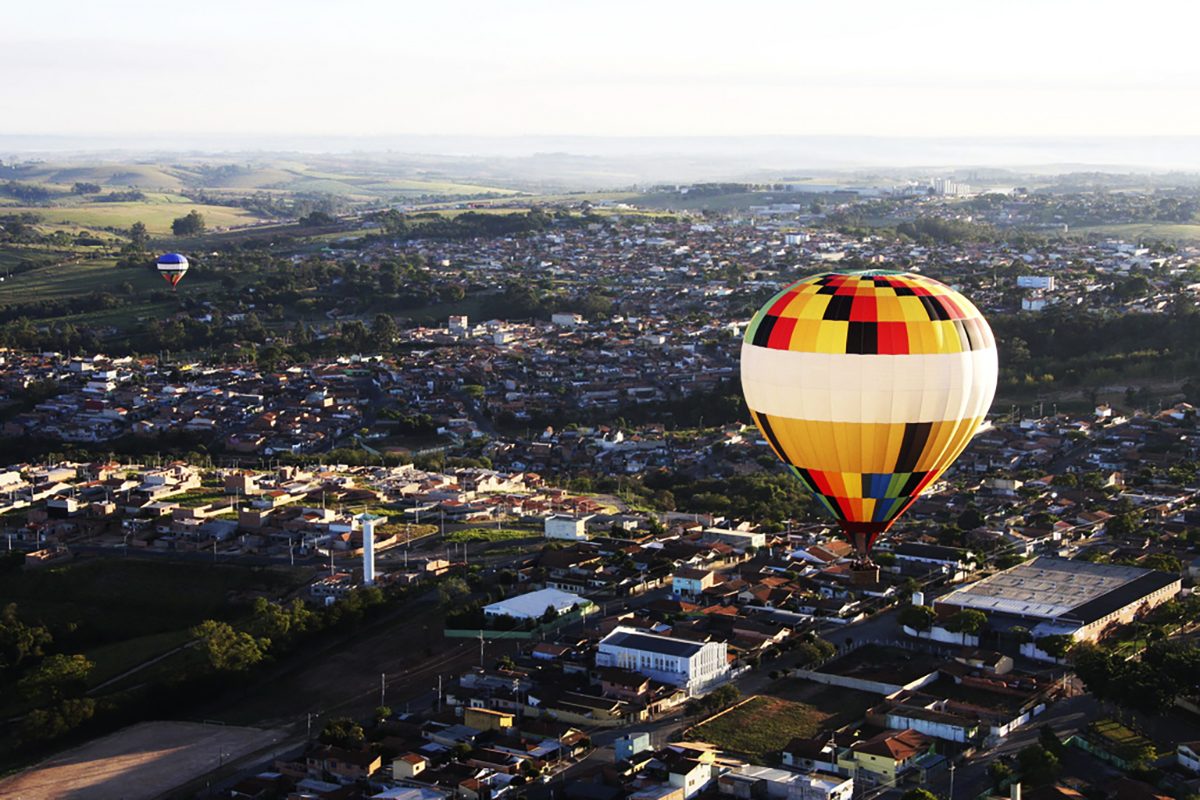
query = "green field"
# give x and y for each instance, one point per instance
(72, 279)
(488, 535)
(1145, 231)
(114, 659)
(156, 215)
(122, 612)
(760, 726)
(112, 600)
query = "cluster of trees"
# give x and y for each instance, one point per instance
(771, 498)
(51, 685)
(1151, 683)
(717, 700)
(1087, 347)
(967, 621)
(464, 226)
(26, 192)
(191, 224)
(928, 230)
(127, 196)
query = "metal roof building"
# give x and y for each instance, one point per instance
(1058, 595)
(533, 605)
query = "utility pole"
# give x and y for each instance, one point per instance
(481, 647)
(439, 694)
(382, 687)
(951, 795)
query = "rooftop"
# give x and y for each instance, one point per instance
(534, 604)
(1057, 587)
(652, 643)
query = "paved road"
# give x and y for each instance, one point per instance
(1065, 717)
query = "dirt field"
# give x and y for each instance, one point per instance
(137, 763)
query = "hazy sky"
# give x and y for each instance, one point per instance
(647, 68)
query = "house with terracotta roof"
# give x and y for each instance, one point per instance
(883, 757)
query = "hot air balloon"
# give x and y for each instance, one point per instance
(172, 266)
(868, 385)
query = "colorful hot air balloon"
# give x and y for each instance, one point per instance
(868, 385)
(172, 266)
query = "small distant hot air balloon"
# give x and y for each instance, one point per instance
(868, 385)
(172, 267)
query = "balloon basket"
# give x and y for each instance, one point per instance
(864, 574)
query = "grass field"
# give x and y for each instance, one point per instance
(1146, 231)
(157, 214)
(83, 277)
(114, 659)
(760, 726)
(114, 600)
(488, 535)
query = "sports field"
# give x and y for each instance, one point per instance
(138, 763)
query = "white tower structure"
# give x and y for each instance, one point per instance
(368, 533)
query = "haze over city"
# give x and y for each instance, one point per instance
(1069, 81)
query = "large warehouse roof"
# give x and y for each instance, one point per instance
(1049, 588)
(533, 604)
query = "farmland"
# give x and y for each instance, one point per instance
(156, 215)
(1146, 231)
(71, 279)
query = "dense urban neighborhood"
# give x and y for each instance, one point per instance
(534, 545)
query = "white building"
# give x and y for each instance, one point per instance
(533, 605)
(565, 320)
(1045, 282)
(458, 325)
(739, 540)
(754, 781)
(693, 666)
(567, 526)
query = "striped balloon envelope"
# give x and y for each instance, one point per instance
(172, 266)
(868, 385)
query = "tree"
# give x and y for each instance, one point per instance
(999, 772)
(1124, 524)
(919, 618)
(967, 622)
(189, 225)
(229, 650)
(970, 518)
(343, 732)
(44, 724)
(1055, 645)
(139, 238)
(918, 794)
(1049, 741)
(19, 641)
(1037, 765)
(1164, 562)
(453, 591)
(384, 331)
(56, 677)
